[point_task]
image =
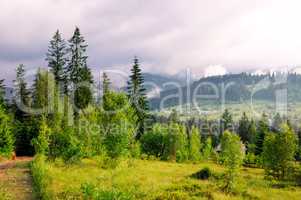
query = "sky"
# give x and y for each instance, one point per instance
(207, 36)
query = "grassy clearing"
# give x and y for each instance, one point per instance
(141, 179)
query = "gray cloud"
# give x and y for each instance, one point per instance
(168, 35)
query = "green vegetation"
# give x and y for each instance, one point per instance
(146, 179)
(112, 147)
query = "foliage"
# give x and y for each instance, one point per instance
(41, 143)
(137, 96)
(7, 139)
(262, 130)
(195, 145)
(232, 157)
(41, 178)
(226, 122)
(243, 128)
(203, 174)
(153, 141)
(279, 151)
(2, 93)
(207, 149)
(77, 72)
(56, 57)
(176, 143)
(91, 192)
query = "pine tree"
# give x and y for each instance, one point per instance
(243, 128)
(7, 138)
(77, 68)
(21, 93)
(262, 130)
(106, 90)
(44, 91)
(2, 93)
(56, 57)
(77, 71)
(226, 121)
(137, 96)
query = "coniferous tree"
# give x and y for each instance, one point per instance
(226, 121)
(56, 57)
(262, 130)
(243, 128)
(106, 90)
(2, 93)
(137, 96)
(21, 93)
(78, 72)
(44, 91)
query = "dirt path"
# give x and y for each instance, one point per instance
(15, 179)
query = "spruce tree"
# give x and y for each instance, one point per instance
(78, 73)
(21, 92)
(137, 96)
(2, 93)
(106, 90)
(56, 57)
(243, 128)
(226, 121)
(262, 130)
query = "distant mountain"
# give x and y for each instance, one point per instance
(233, 88)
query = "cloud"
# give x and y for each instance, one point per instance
(168, 36)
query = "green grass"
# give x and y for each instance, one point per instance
(143, 179)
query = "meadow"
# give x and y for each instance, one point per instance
(153, 179)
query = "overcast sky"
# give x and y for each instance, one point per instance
(167, 35)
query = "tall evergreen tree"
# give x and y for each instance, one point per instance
(226, 121)
(44, 91)
(78, 72)
(21, 92)
(106, 90)
(2, 92)
(243, 128)
(262, 130)
(56, 57)
(137, 96)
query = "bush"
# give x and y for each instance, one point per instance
(153, 142)
(116, 142)
(91, 192)
(250, 160)
(203, 174)
(195, 145)
(41, 143)
(278, 152)
(41, 179)
(232, 157)
(176, 144)
(7, 139)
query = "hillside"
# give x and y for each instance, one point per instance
(233, 88)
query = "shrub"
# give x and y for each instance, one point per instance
(91, 192)
(153, 142)
(41, 178)
(278, 152)
(203, 174)
(176, 144)
(7, 139)
(232, 157)
(41, 143)
(116, 142)
(207, 149)
(195, 145)
(250, 160)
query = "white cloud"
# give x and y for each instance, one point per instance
(169, 35)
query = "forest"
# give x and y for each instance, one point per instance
(113, 146)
